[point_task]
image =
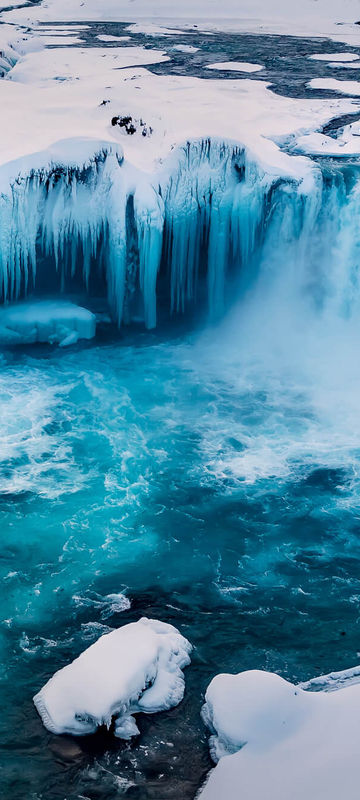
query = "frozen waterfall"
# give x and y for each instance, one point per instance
(210, 222)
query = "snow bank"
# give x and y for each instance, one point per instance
(273, 739)
(135, 668)
(55, 322)
(14, 43)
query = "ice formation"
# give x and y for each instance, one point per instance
(334, 57)
(136, 668)
(272, 738)
(52, 321)
(209, 218)
(206, 215)
(236, 66)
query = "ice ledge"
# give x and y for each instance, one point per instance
(55, 322)
(74, 154)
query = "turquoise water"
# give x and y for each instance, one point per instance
(212, 477)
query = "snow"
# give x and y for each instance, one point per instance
(236, 66)
(60, 39)
(334, 57)
(69, 84)
(150, 29)
(272, 738)
(346, 144)
(136, 668)
(8, 3)
(185, 48)
(345, 65)
(104, 37)
(14, 43)
(334, 85)
(52, 321)
(58, 32)
(327, 18)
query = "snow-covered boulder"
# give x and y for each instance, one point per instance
(53, 321)
(273, 739)
(135, 668)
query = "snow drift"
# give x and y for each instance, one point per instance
(274, 739)
(135, 668)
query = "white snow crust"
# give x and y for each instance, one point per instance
(136, 668)
(236, 66)
(105, 37)
(52, 321)
(273, 739)
(334, 57)
(343, 87)
(344, 65)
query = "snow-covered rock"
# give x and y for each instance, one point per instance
(273, 739)
(135, 668)
(56, 322)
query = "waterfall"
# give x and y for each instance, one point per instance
(212, 216)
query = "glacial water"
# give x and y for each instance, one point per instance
(212, 477)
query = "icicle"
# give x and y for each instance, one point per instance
(216, 216)
(149, 220)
